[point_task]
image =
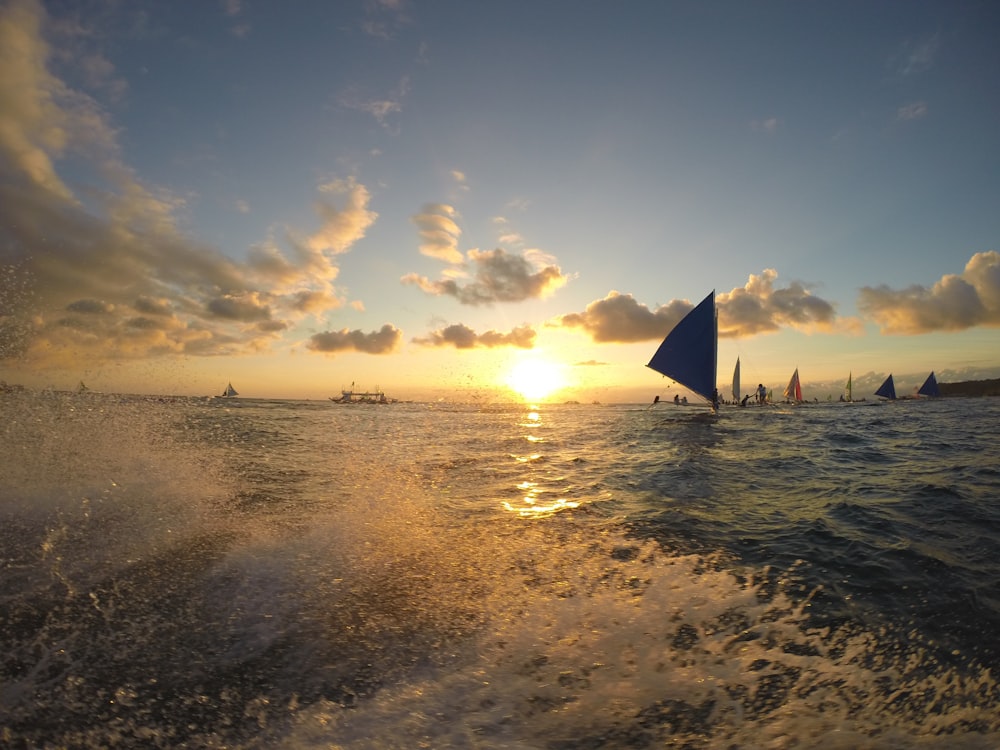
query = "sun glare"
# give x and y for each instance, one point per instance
(536, 379)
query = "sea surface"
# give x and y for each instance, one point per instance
(234, 573)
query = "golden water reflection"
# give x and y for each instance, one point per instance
(534, 502)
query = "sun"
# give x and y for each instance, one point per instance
(536, 379)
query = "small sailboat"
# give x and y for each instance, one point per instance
(736, 382)
(689, 353)
(930, 387)
(230, 391)
(793, 391)
(847, 389)
(887, 389)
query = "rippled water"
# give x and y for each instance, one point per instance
(238, 573)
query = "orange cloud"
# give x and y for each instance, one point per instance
(953, 303)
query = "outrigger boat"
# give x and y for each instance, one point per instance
(930, 387)
(689, 353)
(351, 396)
(888, 389)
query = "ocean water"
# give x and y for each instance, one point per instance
(231, 573)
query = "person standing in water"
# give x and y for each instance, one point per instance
(761, 393)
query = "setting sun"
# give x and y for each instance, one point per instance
(536, 379)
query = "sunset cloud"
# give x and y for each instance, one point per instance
(439, 232)
(111, 274)
(755, 308)
(383, 341)
(953, 303)
(499, 277)
(758, 307)
(342, 226)
(462, 337)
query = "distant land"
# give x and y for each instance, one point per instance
(971, 388)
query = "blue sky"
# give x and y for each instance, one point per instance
(295, 196)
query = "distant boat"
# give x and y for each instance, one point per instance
(229, 392)
(736, 382)
(793, 391)
(847, 390)
(689, 353)
(887, 389)
(930, 387)
(351, 396)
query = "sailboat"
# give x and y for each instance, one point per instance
(736, 382)
(887, 389)
(847, 390)
(930, 387)
(689, 353)
(793, 391)
(230, 391)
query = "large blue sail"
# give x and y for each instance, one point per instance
(930, 387)
(688, 353)
(887, 389)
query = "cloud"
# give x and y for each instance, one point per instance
(769, 125)
(383, 341)
(758, 307)
(243, 307)
(507, 235)
(383, 17)
(916, 56)
(35, 107)
(954, 303)
(233, 9)
(619, 318)
(342, 227)
(462, 337)
(111, 275)
(499, 277)
(755, 308)
(912, 111)
(379, 108)
(438, 232)
(90, 307)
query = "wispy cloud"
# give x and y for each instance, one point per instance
(461, 336)
(381, 108)
(383, 17)
(439, 232)
(234, 9)
(916, 56)
(767, 125)
(342, 226)
(912, 111)
(953, 303)
(499, 277)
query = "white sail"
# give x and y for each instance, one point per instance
(736, 382)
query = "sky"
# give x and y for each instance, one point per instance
(442, 199)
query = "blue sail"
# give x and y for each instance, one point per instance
(887, 389)
(930, 386)
(688, 354)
